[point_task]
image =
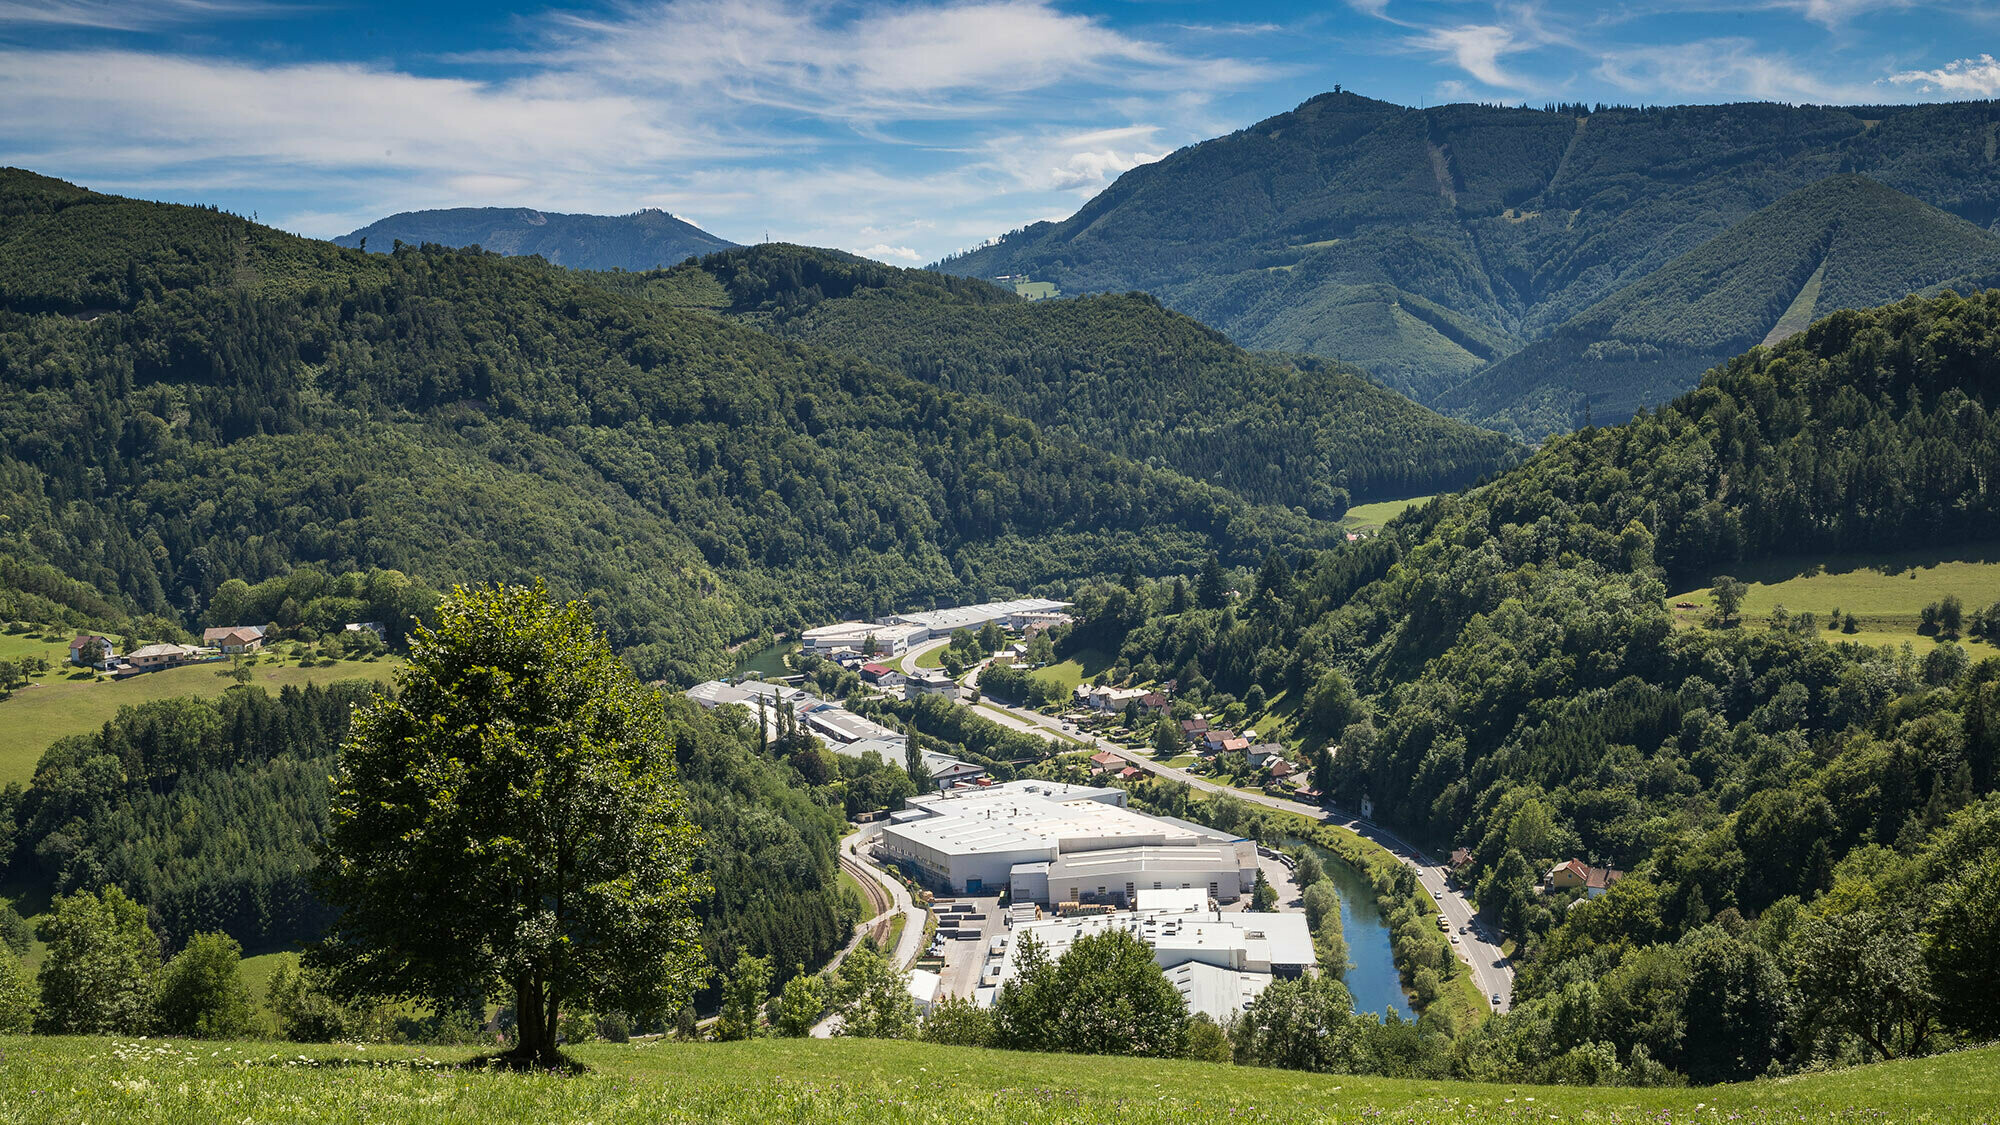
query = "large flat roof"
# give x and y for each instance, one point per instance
(944, 620)
(1020, 816)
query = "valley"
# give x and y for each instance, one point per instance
(1456, 613)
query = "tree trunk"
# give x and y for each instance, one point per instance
(535, 1026)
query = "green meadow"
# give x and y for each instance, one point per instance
(1886, 591)
(56, 704)
(1371, 517)
(46, 1081)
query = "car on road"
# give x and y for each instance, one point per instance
(1496, 999)
(1454, 939)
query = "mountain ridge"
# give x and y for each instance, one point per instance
(644, 239)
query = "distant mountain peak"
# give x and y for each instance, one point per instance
(644, 239)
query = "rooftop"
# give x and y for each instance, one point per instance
(973, 616)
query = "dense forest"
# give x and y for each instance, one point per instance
(643, 240)
(1427, 245)
(1808, 825)
(1118, 373)
(210, 813)
(187, 398)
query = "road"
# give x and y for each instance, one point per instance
(1491, 970)
(857, 862)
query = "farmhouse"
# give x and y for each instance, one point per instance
(152, 658)
(108, 651)
(234, 638)
(1048, 842)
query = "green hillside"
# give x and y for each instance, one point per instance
(188, 398)
(1427, 244)
(1119, 373)
(1809, 821)
(869, 1082)
(642, 240)
(1845, 242)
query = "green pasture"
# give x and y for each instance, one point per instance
(1886, 591)
(883, 1082)
(57, 705)
(1371, 517)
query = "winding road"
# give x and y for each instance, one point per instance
(1491, 970)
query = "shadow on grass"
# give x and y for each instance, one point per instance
(497, 1063)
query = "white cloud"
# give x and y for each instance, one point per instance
(1722, 69)
(1477, 49)
(883, 252)
(1964, 78)
(125, 15)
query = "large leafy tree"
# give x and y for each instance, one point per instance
(1106, 995)
(201, 991)
(97, 977)
(510, 820)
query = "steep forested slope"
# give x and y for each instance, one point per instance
(1810, 826)
(1117, 372)
(1427, 244)
(1845, 242)
(186, 397)
(643, 240)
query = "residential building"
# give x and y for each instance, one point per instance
(152, 658)
(375, 627)
(882, 676)
(234, 639)
(108, 650)
(1576, 873)
(931, 681)
(1104, 761)
(1259, 754)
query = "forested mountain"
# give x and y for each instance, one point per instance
(1117, 372)
(1811, 828)
(643, 240)
(187, 397)
(1843, 243)
(1424, 245)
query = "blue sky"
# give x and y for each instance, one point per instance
(900, 130)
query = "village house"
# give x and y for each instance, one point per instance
(152, 658)
(882, 676)
(1155, 702)
(234, 638)
(83, 641)
(1195, 727)
(1104, 761)
(1576, 873)
(1260, 754)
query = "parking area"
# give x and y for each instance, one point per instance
(967, 926)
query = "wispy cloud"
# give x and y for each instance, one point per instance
(1965, 78)
(128, 15)
(1723, 69)
(1477, 49)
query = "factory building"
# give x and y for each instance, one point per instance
(1218, 960)
(1051, 843)
(1016, 614)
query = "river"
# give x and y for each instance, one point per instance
(1372, 979)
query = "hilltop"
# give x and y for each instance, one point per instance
(642, 240)
(1427, 245)
(1116, 371)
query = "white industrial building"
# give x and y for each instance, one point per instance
(1014, 614)
(1048, 842)
(890, 638)
(1218, 960)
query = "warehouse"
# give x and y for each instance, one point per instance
(1218, 960)
(887, 639)
(1048, 842)
(1009, 615)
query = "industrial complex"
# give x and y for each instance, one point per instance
(1051, 843)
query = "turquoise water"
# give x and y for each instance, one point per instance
(767, 663)
(1372, 978)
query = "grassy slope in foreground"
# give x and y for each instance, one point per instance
(58, 706)
(877, 1082)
